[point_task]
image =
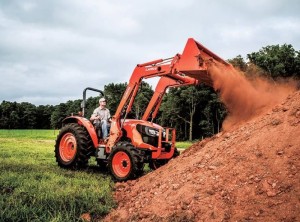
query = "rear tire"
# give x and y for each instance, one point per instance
(73, 147)
(125, 162)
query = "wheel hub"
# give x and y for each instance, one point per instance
(124, 163)
(121, 164)
(68, 147)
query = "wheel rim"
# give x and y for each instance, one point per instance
(67, 147)
(121, 164)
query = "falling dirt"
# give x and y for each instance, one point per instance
(249, 172)
(245, 98)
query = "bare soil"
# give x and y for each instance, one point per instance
(248, 172)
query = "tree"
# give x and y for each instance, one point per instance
(239, 63)
(191, 97)
(14, 120)
(113, 93)
(28, 117)
(6, 109)
(43, 117)
(73, 107)
(181, 106)
(142, 99)
(194, 111)
(91, 104)
(167, 113)
(277, 61)
(57, 116)
(214, 114)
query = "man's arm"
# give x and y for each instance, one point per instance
(108, 116)
(94, 115)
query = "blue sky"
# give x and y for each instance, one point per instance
(51, 50)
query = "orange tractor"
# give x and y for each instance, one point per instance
(132, 142)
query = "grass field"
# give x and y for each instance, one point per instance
(34, 188)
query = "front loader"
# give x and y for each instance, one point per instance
(133, 142)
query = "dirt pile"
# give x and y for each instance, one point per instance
(250, 173)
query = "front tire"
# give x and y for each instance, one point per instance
(155, 164)
(73, 147)
(125, 162)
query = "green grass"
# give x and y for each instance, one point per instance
(34, 188)
(184, 144)
(29, 134)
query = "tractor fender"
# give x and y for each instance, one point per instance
(86, 124)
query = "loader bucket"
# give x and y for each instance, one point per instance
(196, 60)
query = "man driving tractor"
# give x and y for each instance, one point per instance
(101, 119)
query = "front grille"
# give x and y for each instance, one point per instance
(153, 141)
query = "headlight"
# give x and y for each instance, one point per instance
(164, 133)
(153, 132)
(146, 130)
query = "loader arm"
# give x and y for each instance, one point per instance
(160, 90)
(194, 62)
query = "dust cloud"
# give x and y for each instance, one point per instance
(245, 98)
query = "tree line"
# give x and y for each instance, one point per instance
(189, 109)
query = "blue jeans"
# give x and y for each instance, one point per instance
(105, 127)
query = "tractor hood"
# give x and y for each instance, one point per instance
(134, 122)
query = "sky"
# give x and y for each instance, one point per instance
(50, 51)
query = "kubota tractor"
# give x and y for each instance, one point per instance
(132, 142)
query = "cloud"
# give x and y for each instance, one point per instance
(51, 50)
